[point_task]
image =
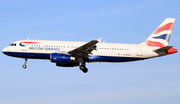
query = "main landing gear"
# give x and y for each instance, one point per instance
(83, 67)
(25, 66)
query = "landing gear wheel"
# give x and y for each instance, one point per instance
(83, 68)
(83, 64)
(24, 66)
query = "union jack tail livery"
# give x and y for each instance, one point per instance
(160, 37)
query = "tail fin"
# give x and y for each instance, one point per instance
(160, 37)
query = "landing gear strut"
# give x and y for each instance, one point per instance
(83, 67)
(25, 66)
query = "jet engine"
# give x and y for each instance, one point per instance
(61, 58)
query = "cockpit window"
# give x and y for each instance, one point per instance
(13, 44)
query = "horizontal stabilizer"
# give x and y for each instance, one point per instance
(163, 49)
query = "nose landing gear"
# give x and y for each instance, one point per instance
(25, 66)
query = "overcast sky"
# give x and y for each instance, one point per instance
(152, 81)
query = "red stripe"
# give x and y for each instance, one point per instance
(154, 44)
(30, 42)
(171, 50)
(168, 26)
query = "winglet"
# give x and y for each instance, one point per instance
(99, 40)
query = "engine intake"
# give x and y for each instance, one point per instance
(62, 58)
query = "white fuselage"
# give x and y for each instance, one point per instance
(109, 52)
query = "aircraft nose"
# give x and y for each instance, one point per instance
(4, 50)
(7, 51)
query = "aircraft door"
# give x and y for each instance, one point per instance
(24, 48)
(139, 50)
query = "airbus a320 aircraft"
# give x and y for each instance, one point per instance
(70, 53)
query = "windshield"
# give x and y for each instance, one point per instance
(13, 44)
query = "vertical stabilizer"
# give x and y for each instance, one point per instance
(160, 37)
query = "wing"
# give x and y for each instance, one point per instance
(84, 50)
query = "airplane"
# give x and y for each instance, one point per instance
(71, 53)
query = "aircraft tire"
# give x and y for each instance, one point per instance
(83, 68)
(24, 66)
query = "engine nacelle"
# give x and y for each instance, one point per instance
(62, 58)
(71, 64)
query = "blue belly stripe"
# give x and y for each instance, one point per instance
(113, 58)
(28, 55)
(92, 57)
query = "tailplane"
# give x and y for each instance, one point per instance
(160, 37)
